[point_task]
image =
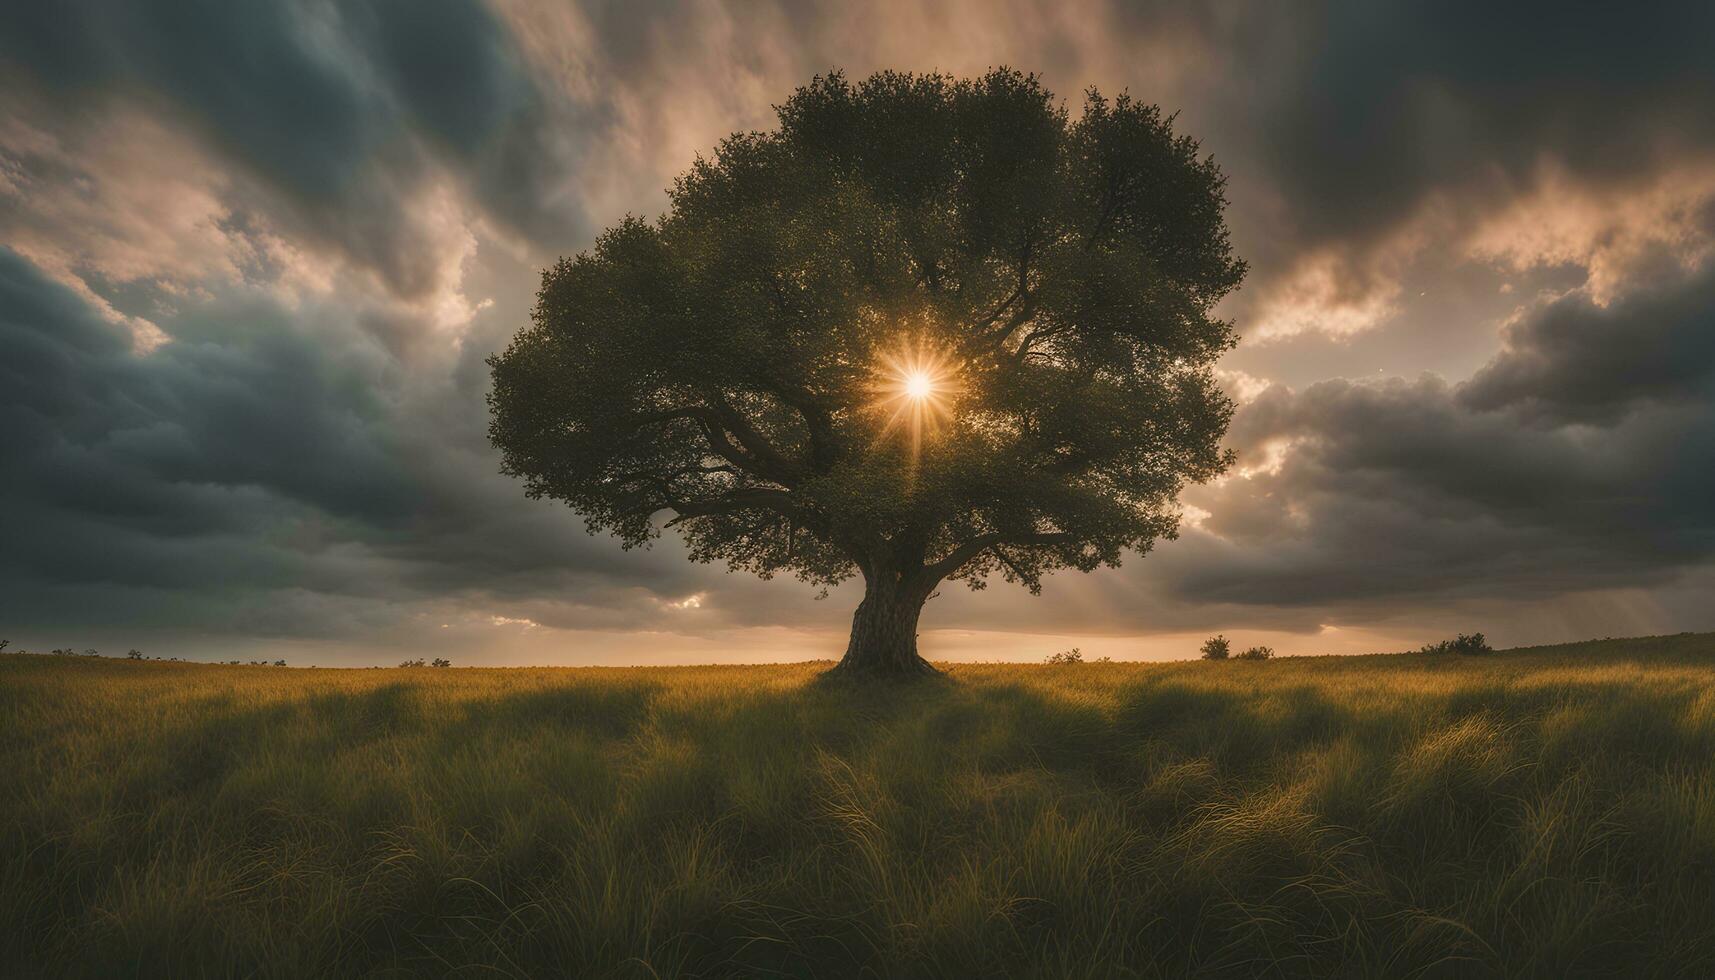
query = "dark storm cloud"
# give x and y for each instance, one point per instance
(344, 109)
(263, 406)
(1578, 458)
(1389, 102)
(169, 470)
(253, 458)
(1575, 361)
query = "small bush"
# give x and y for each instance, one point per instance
(133, 655)
(279, 663)
(1470, 645)
(412, 663)
(1072, 656)
(441, 662)
(1216, 648)
(1256, 653)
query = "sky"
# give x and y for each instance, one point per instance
(253, 255)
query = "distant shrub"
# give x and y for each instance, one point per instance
(412, 663)
(1216, 648)
(279, 663)
(1472, 644)
(1256, 653)
(65, 652)
(133, 655)
(1072, 656)
(1103, 660)
(1469, 645)
(4, 644)
(441, 662)
(91, 652)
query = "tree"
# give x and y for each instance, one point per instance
(1472, 644)
(927, 329)
(1216, 647)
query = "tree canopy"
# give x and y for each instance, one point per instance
(928, 328)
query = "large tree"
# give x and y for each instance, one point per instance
(927, 329)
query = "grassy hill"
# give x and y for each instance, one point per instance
(1544, 812)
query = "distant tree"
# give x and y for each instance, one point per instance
(279, 663)
(929, 328)
(1469, 645)
(441, 662)
(4, 644)
(1256, 653)
(412, 663)
(1216, 648)
(133, 655)
(1072, 656)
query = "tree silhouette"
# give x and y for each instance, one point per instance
(927, 329)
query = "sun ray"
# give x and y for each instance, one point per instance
(916, 387)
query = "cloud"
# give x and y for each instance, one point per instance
(1368, 138)
(1640, 228)
(1386, 105)
(1328, 293)
(1577, 361)
(268, 454)
(1575, 459)
(337, 120)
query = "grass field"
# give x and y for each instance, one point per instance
(1547, 812)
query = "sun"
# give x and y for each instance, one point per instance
(916, 387)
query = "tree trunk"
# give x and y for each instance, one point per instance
(884, 632)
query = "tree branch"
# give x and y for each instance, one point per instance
(775, 465)
(744, 448)
(1020, 294)
(957, 558)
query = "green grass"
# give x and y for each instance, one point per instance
(1545, 812)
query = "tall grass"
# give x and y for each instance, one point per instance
(1536, 813)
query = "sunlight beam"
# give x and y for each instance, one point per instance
(915, 387)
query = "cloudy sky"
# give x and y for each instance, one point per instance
(252, 256)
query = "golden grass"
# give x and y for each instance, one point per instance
(1545, 812)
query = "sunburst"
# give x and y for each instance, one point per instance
(916, 388)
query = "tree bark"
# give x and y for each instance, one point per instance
(884, 631)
